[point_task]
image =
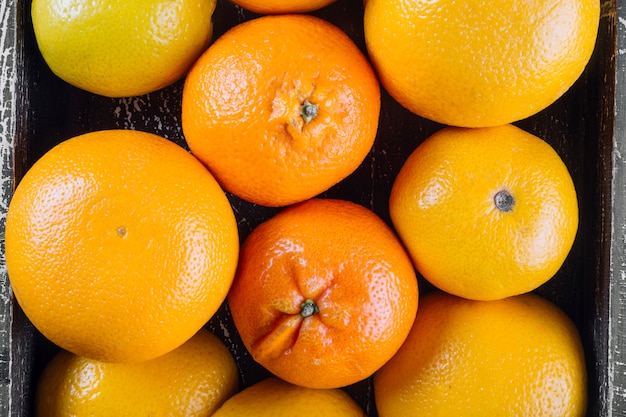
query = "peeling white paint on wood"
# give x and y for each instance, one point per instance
(617, 312)
(7, 131)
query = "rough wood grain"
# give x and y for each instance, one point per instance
(617, 314)
(7, 127)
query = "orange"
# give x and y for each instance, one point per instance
(120, 245)
(469, 64)
(324, 295)
(520, 356)
(280, 108)
(273, 397)
(192, 380)
(485, 213)
(120, 48)
(282, 6)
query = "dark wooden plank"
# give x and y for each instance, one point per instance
(617, 278)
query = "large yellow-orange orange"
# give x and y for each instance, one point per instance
(520, 356)
(324, 295)
(476, 64)
(120, 245)
(281, 108)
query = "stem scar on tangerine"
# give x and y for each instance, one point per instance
(309, 308)
(308, 111)
(327, 80)
(325, 293)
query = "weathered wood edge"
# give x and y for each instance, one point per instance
(8, 65)
(16, 333)
(616, 398)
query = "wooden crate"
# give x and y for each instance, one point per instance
(587, 127)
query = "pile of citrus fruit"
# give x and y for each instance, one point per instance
(122, 245)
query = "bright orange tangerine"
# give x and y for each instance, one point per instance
(281, 108)
(282, 6)
(324, 295)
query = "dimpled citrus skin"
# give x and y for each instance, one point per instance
(341, 258)
(120, 48)
(443, 206)
(273, 397)
(120, 245)
(477, 63)
(282, 6)
(520, 356)
(242, 108)
(190, 381)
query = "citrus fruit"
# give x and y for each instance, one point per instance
(324, 295)
(274, 397)
(192, 380)
(282, 6)
(121, 48)
(281, 108)
(466, 64)
(519, 356)
(120, 245)
(485, 213)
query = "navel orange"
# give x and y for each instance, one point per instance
(121, 48)
(324, 295)
(485, 213)
(281, 108)
(193, 380)
(520, 356)
(273, 397)
(472, 64)
(120, 245)
(282, 6)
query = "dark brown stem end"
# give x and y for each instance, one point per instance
(504, 201)
(309, 308)
(308, 111)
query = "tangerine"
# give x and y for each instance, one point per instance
(282, 6)
(463, 63)
(519, 356)
(281, 108)
(324, 295)
(485, 213)
(194, 379)
(120, 245)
